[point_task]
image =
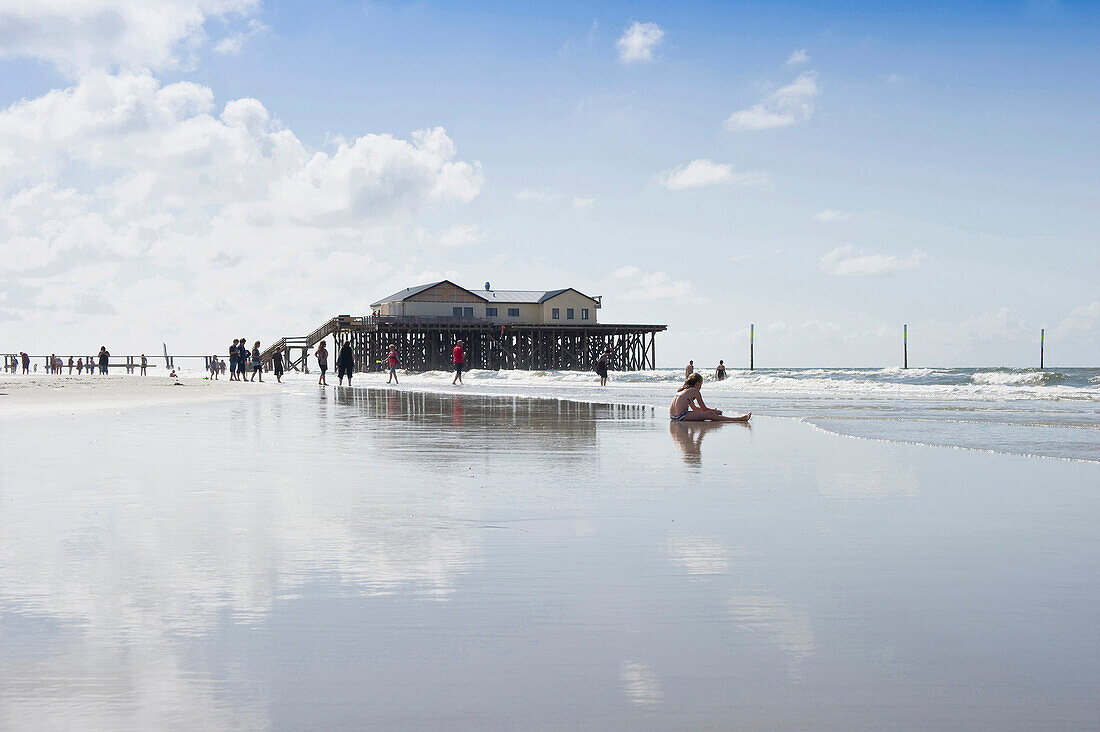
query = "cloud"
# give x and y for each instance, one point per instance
(536, 196)
(798, 56)
(829, 215)
(845, 262)
(656, 286)
(583, 203)
(168, 186)
(78, 37)
(232, 44)
(460, 235)
(784, 107)
(638, 42)
(702, 172)
(1083, 319)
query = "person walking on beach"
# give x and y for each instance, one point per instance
(257, 364)
(322, 362)
(242, 360)
(345, 363)
(277, 365)
(233, 361)
(720, 372)
(601, 365)
(144, 364)
(459, 358)
(391, 359)
(26, 362)
(104, 357)
(688, 406)
(79, 366)
(689, 369)
(70, 365)
(213, 366)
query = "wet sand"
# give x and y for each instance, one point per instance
(316, 559)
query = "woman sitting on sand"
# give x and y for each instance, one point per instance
(688, 406)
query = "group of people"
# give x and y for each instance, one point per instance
(56, 365)
(719, 372)
(242, 361)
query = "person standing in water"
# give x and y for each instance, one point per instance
(322, 362)
(688, 406)
(689, 369)
(458, 356)
(720, 372)
(391, 359)
(345, 363)
(601, 365)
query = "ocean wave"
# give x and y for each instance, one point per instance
(1012, 377)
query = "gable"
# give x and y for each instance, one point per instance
(445, 291)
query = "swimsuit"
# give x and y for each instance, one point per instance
(679, 417)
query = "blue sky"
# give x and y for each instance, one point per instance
(827, 171)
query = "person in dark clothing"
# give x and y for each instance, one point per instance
(345, 362)
(242, 360)
(104, 357)
(601, 366)
(257, 364)
(277, 365)
(233, 361)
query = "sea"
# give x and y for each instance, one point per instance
(1052, 413)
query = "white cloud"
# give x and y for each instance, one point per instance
(784, 107)
(657, 285)
(170, 187)
(232, 44)
(844, 261)
(583, 202)
(830, 214)
(638, 42)
(798, 56)
(536, 196)
(78, 37)
(460, 235)
(1083, 319)
(703, 172)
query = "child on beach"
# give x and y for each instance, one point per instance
(257, 364)
(277, 366)
(392, 360)
(214, 367)
(688, 406)
(322, 362)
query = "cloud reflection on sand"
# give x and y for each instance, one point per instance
(784, 625)
(640, 683)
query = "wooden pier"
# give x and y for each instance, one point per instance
(426, 343)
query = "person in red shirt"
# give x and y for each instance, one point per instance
(392, 359)
(460, 361)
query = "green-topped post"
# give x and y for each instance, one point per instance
(752, 328)
(905, 345)
(1042, 345)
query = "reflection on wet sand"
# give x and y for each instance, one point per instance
(689, 436)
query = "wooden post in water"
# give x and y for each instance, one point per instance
(1042, 345)
(905, 345)
(752, 333)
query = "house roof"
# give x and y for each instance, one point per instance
(493, 296)
(411, 291)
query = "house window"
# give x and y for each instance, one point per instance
(490, 312)
(513, 312)
(457, 312)
(468, 312)
(570, 313)
(555, 314)
(584, 313)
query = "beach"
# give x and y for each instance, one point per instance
(224, 556)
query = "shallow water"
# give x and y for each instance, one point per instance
(324, 558)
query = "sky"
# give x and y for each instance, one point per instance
(190, 172)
